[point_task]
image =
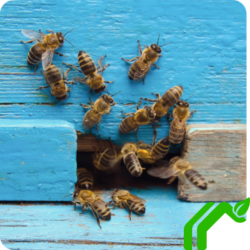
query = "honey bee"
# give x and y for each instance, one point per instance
(181, 168)
(178, 125)
(98, 109)
(141, 117)
(124, 199)
(85, 179)
(57, 82)
(147, 58)
(162, 104)
(92, 78)
(108, 160)
(129, 154)
(150, 154)
(87, 198)
(45, 48)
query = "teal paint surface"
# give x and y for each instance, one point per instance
(207, 56)
(38, 160)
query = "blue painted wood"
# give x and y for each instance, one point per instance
(207, 57)
(38, 160)
(162, 225)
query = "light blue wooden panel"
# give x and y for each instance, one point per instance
(162, 225)
(38, 160)
(207, 57)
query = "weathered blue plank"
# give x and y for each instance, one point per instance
(207, 56)
(38, 159)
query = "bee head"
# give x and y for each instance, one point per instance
(109, 99)
(61, 38)
(156, 48)
(182, 104)
(151, 112)
(102, 88)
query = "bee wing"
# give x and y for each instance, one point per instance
(80, 79)
(162, 171)
(47, 58)
(33, 34)
(136, 198)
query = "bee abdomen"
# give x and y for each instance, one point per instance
(86, 63)
(176, 136)
(127, 125)
(161, 148)
(137, 207)
(85, 178)
(53, 75)
(102, 209)
(133, 165)
(106, 159)
(90, 119)
(35, 54)
(196, 179)
(172, 96)
(133, 69)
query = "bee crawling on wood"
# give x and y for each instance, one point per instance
(181, 168)
(87, 198)
(98, 109)
(92, 78)
(169, 99)
(150, 154)
(124, 199)
(57, 82)
(45, 48)
(178, 125)
(147, 58)
(141, 117)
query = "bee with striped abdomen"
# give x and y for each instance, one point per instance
(129, 154)
(181, 168)
(57, 82)
(45, 48)
(98, 109)
(178, 125)
(87, 198)
(169, 99)
(150, 154)
(107, 161)
(92, 78)
(124, 199)
(141, 117)
(85, 179)
(147, 58)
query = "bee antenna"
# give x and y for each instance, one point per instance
(116, 93)
(66, 196)
(67, 32)
(190, 96)
(165, 44)
(158, 38)
(69, 42)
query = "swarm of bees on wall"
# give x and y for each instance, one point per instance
(132, 155)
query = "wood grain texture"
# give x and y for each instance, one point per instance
(207, 57)
(218, 153)
(38, 160)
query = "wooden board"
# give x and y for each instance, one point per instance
(218, 153)
(38, 160)
(207, 57)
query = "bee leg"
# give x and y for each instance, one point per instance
(103, 68)
(86, 106)
(144, 81)
(136, 130)
(139, 45)
(130, 60)
(36, 69)
(160, 55)
(96, 216)
(82, 210)
(91, 102)
(169, 116)
(73, 66)
(51, 31)
(155, 135)
(91, 90)
(138, 105)
(127, 114)
(30, 41)
(59, 54)
(99, 62)
(108, 81)
(149, 100)
(97, 126)
(157, 95)
(172, 179)
(191, 113)
(156, 66)
(43, 87)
